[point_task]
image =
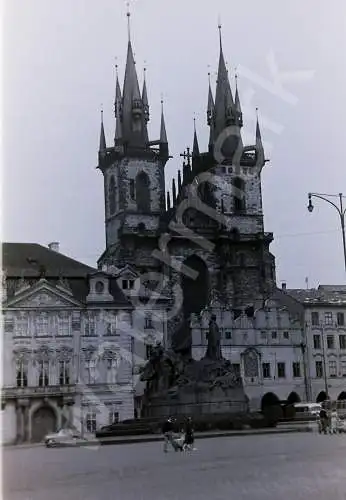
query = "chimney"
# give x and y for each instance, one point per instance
(283, 285)
(54, 246)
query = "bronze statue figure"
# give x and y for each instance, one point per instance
(213, 337)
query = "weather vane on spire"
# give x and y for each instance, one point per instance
(128, 14)
(220, 27)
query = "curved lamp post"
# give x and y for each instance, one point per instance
(338, 206)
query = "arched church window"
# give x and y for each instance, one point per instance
(143, 192)
(112, 196)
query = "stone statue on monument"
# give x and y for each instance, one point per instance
(213, 337)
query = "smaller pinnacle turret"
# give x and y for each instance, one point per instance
(145, 99)
(103, 146)
(174, 192)
(195, 148)
(179, 182)
(260, 160)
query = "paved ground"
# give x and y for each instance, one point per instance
(298, 466)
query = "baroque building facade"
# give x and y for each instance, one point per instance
(67, 345)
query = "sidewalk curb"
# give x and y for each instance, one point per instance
(158, 437)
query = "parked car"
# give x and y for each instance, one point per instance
(64, 437)
(304, 410)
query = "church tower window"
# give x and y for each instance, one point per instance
(238, 194)
(143, 192)
(112, 196)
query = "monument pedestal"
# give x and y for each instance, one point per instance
(206, 387)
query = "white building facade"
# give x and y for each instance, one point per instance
(266, 349)
(325, 333)
(67, 346)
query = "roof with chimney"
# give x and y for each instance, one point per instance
(32, 261)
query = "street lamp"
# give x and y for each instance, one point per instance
(338, 206)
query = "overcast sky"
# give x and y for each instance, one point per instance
(58, 68)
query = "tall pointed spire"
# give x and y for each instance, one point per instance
(163, 136)
(260, 160)
(210, 114)
(163, 133)
(145, 97)
(117, 107)
(103, 146)
(224, 104)
(134, 128)
(195, 149)
(237, 105)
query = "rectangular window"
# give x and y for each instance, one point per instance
(328, 318)
(342, 341)
(343, 367)
(317, 341)
(89, 326)
(22, 326)
(22, 373)
(113, 416)
(281, 370)
(319, 369)
(332, 368)
(274, 335)
(330, 342)
(286, 335)
(111, 323)
(90, 367)
(228, 335)
(91, 421)
(112, 367)
(263, 334)
(42, 325)
(148, 322)
(63, 324)
(266, 370)
(236, 369)
(315, 320)
(64, 372)
(124, 284)
(43, 370)
(131, 284)
(296, 369)
(340, 319)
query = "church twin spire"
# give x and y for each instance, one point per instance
(132, 110)
(131, 107)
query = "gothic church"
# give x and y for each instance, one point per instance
(204, 238)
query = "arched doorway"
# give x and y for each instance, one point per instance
(342, 396)
(321, 397)
(293, 398)
(43, 421)
(269, 399)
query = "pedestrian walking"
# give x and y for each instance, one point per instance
(168, 434)
(323, 424)
(189, 435)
